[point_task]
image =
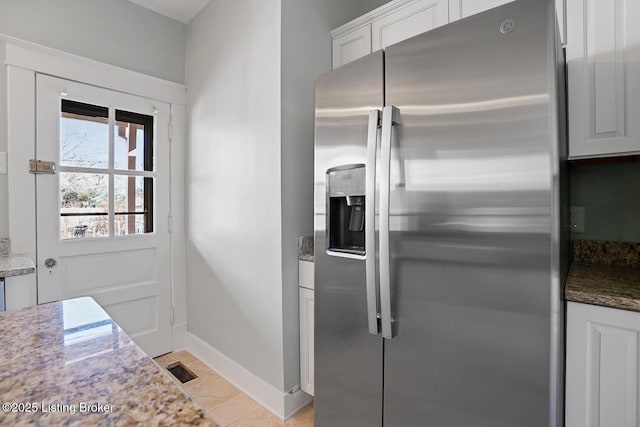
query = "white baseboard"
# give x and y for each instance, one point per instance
(179, 336)
(281, 404)
(295, 401)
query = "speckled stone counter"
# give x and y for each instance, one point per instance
(68, 363)
(605, 273)
(16, 265)
(611, 286)
(5, 246)
(305, 248)
(608, 253)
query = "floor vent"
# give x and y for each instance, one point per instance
(181, 372)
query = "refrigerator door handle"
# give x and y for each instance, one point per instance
(389, 118)
(369, 221)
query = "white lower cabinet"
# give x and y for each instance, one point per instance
(19, 292)
(306, 340)
(305, 280)
(603, 362)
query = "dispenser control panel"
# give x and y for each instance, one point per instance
(346, 207)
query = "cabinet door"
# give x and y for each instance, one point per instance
(602, 366)
(19, 292)
(306, 340)
(459, 9)
(305, 274)
(407, 21)
(351, 46)
(603, 57)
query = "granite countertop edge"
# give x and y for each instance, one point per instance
(604, 285)
(16, 265)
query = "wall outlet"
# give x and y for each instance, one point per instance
(576, 216)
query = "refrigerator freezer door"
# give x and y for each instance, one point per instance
(472, 182)
(348, 359)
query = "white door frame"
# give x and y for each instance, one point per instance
(23, 60)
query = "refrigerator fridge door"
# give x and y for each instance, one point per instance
(470, 217)
(348, 358)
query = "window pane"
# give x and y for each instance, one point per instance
(133, 200)
(133, 148)
(125, 225)
(84, 205)
(73, 227)
(84, 135)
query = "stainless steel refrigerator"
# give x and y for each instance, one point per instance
(439, 250)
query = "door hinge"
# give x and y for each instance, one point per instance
(173, 314)
(38, 167)
(170, 223)
(171, 130)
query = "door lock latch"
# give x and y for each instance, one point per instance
(37, 167)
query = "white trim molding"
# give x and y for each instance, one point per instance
(21, 144)
(45, 60)
(281, 404)
(180, 336)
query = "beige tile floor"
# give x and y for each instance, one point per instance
(224, 403)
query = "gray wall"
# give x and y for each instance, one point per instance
(234, 300)
(306, 53)
(249, 183)
(117, 32)
(609, 190)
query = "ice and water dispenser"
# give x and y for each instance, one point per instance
(346, 205)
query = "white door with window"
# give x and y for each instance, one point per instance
(102, 217)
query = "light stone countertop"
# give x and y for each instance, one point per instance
(69, 363)
(305, 248)
(611, 286)
(16, 265)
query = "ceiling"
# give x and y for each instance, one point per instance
(180, 10)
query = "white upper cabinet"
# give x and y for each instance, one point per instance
(390, 23)
(401, 19)
(603, 58)
(351, 46)
(459, 9)
(407, 21)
